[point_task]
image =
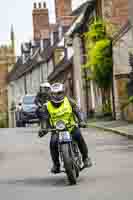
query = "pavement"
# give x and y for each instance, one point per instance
(25, 168)
(120, 127)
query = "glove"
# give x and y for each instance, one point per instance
(82, 124)
(41, 133)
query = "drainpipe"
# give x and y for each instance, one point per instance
(25, 84)
(113, 87)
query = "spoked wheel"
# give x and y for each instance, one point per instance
(69, 165)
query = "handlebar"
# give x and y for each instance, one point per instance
(50, 130)
(54, 129)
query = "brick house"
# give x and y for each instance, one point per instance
(58, 52)
(68, 70)
(91, 94)
(117, 12)
(38, 57)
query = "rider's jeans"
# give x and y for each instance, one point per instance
(77, 136)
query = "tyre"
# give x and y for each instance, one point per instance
(69, 164)
(18, 124)
(77, 158)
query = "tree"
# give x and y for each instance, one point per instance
(99, 59)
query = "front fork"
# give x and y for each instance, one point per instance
(77, 156)
(60, 152)
(74, 153)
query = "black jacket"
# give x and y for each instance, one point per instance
(41, 99)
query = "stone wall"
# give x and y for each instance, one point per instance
(3, 87)
(128, 113)
(7, 59)
(121, 71)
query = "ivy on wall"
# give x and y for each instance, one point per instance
(99, 59)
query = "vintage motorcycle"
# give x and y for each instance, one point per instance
(70, 156)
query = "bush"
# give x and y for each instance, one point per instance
(3, 123)
(99, 60)
(130, 101)
(3, 120)
(99, 54)
(101, 63)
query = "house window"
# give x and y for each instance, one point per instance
(45, 71)
(52, 38)
(59, 54)
(60, 32)
(41, 73)
(50, 67)
(25, 85)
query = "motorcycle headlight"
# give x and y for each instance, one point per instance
(60, 125)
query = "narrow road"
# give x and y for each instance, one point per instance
(25, 168)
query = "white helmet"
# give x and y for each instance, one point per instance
(45, 87)
(57, 93)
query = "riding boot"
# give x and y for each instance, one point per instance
(82, 147)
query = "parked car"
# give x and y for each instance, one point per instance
(26, 112)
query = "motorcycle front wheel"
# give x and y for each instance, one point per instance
(69, 164)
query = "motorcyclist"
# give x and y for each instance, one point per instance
(44, 93)
(60, 106)
(41, 99)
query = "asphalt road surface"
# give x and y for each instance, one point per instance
(25, 168)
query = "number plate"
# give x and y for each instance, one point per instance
(64, 136)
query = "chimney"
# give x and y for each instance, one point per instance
(35, 6)
(62, 8)
(39, 5)
(40, 21)
(44, 5)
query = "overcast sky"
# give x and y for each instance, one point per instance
(19, 13)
